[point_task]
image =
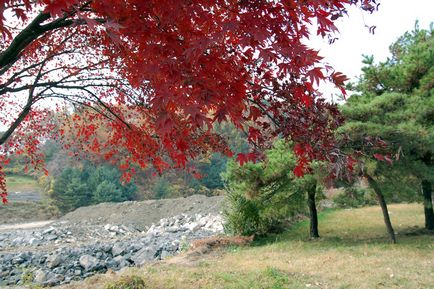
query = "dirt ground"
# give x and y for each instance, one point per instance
(142, 214)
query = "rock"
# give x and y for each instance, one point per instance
(174, 229)
(18, 260)
(16, 272)
(194, 226)
(114, 229)
(59, 270)
(48, 231)
(151, 229)
(130, 228)
(165, 254)
(202, 222)
(172, 246)
(17, 241)
(41, 260)
(89, 263)
(143, 255)
(106, 248)
(118, 249)
(40, 276)
(34, 241)
(134, 247)
(121, 262)
(50, 237)
(13, 280)
(112, 264)
(54, 280)
(54, 261)
(118, 259)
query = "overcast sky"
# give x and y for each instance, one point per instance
(392, 20)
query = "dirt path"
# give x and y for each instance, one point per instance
(24, 196)
(30, 225)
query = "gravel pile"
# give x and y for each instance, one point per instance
(65, 251)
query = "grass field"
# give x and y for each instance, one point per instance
(16, 183)
(353, 252)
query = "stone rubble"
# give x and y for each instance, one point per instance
(64, 252)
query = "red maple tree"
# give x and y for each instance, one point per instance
(155, 75)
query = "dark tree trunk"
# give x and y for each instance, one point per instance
(312, 212)
(26, 110)
(427, 204)
(373, 184)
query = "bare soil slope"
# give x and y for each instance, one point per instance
(141, 215)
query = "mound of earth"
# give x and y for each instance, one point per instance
(140, 215)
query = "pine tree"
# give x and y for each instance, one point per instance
(395, 103)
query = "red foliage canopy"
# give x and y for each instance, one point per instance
(155, 75)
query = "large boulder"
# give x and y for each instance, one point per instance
(54, 260)
(89, 263)
(145, 254)
(118, 249)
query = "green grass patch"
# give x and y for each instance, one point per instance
(16, 183)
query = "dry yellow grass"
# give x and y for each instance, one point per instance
(221, 241)
(353, 252)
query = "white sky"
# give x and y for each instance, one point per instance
(393, 19)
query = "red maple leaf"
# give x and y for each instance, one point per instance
(298, 171)
(378, 157)
(315, 75)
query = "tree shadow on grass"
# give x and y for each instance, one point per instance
(299, 233)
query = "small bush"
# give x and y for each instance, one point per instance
(129, 282)
(263, 197)
(242, 215)
(354, 197)
(247, 216)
